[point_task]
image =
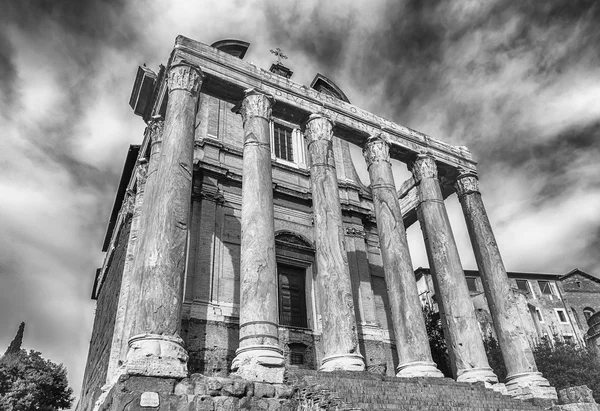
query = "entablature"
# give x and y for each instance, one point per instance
(226, 77)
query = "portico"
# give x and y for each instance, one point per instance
(439, 170)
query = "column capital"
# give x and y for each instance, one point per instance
(376, 149)
(467, 182)
(424, 167)
(319, 127)
(256, 103)
(141, 172)
(184, 76)
(155, 128)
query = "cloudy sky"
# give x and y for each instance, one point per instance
(517, 82)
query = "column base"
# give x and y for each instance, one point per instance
(483, 374)
(343, 362)
(263, 363)
(418, 369)
(157, 356)
(530, 385)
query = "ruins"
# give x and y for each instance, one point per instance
(243, 246)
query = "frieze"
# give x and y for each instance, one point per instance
(309, 100)
(184, 77)
(355, 232)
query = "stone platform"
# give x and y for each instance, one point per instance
(306, 390)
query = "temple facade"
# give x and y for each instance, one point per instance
(243, 243)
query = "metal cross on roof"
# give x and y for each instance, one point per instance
(279, 54)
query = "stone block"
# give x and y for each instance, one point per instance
(577, 407)
(179, 403)
(214, 386)
(284, 391)
(137, 383)
(225, 404)
(573, 395)
(185, 386)
(202, 403)
(263, 390)
(234, 388)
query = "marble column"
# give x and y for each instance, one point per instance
(128, 293)
(412, 342)
(340, 339)
(514, 344)
(463, 337)
(258, 357)
(156, 348)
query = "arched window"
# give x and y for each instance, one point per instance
(588, 312)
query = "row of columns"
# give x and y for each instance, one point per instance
(157, 349)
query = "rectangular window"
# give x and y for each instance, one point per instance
(472, 284)
(539, 315)
(292, 296)
(562, 317)
(523, 285)
(568, 339)
(545, 287)
(282, 142)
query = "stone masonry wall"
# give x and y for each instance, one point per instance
(104, 322)
(579, 293)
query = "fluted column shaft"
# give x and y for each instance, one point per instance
(463, 337)
(259, 357)
(340, 339)
(412, 343)
(157, 349)
(515, 347)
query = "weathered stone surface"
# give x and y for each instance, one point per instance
(412, 343)
(465, 344)
(340, 339)
(165, 216)
(262, 390)
(513, 341)
(135, 383)
(258, 357)
(578, 394)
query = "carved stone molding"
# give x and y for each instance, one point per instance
(184, 77)
(376, 149)
(466, 183)
(155, 128)
(424, 167)
(128, 203)
(256, 103)
(141, 172)
(319, 127)
(355, 232)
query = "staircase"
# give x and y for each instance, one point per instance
(363, 391)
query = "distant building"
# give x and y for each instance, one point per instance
(556, 304)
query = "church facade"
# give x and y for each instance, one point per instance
(242, 240)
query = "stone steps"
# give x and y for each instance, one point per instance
(364, 391)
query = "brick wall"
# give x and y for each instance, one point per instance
(579, 293)
(104, 322)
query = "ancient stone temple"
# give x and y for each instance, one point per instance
(246, 263)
